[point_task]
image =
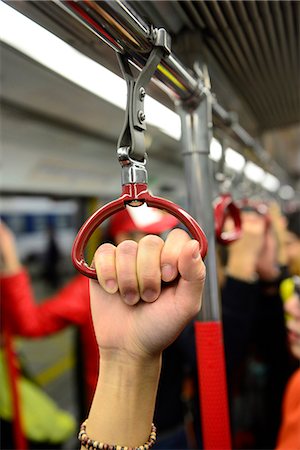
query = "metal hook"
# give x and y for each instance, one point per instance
(132, 135)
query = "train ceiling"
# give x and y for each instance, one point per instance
(251, 48)
(255, 43)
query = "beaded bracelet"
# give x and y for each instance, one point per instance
(90, 444)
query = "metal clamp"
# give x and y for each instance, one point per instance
(132, 171)
(161, 38)
(132, 135)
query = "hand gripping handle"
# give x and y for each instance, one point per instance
(259, 207)
(131, 193)
(225, 208)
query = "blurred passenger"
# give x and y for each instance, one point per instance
(292, 242)
(44, 424)
(47, 430)
(289, 435)
(257, 358)
(71, 306)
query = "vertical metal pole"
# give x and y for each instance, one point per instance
(196, 136)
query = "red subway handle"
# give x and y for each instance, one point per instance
(136, 193)
(224, 208)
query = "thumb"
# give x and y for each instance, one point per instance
(192, 276)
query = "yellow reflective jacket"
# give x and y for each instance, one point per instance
(43, 421)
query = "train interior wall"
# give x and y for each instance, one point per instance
(59, 164)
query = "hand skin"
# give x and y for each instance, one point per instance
(279, 225)
(292, 246)
(273, 254)
(267, 266)
(10, 263)
(244, 253)
(135, 318)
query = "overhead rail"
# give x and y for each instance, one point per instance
(118, 25)
(124, 31)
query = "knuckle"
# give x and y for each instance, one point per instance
(174, 243)
(178, 233)
(127, 276)
(127, 280)
(197, 274)
(107, 271)
(128, 285)
(152, 241)
(104, 250)
(127, 247)
(201, 272)
(151, 278)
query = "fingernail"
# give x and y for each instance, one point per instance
(149, 295)
(167, 272)
(111, 286)
(130, 297)
(196, 251)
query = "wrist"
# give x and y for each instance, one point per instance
(120, 368)
(123, 405)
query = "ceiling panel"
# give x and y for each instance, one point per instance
(252, 51)
(256, 44)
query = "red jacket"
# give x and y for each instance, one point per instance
(70, 306)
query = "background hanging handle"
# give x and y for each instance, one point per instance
(132, 193)
(226, 208)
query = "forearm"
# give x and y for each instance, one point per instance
(123, 406)
(9, 258)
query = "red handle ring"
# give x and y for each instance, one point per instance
(130, 192)
(225, 208)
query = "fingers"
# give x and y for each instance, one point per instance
(105, 265)
(116, 270)
(191, 283)
(132, 268)
(126, 265)
(170, 254)
(148, 267)
(136, 270)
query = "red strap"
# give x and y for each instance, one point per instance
(13, 373)
(212, 385)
